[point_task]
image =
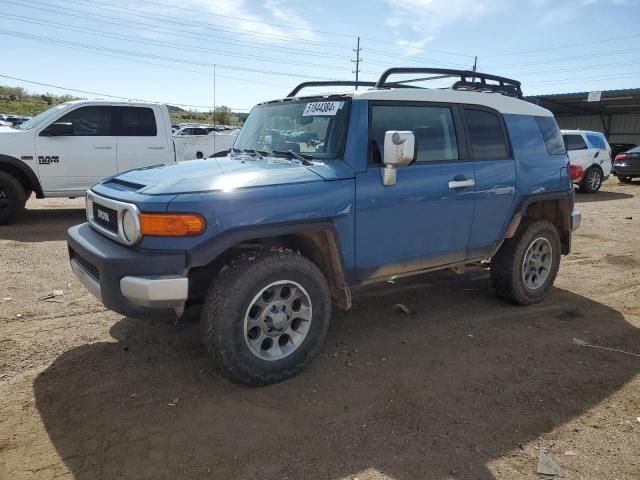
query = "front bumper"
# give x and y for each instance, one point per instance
(576, 220)
(128, 280)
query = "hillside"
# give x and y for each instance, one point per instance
(17, 101)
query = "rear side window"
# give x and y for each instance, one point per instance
(89, 121)
(488, 141)
(432, 126)
(597, 141)
(137, 122)
(551, 135)
(574, 142)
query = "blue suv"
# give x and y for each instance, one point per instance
(322, 193)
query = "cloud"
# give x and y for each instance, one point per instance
(251, 18)
(427, 17)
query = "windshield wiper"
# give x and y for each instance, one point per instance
(304, 159)
(257, 153)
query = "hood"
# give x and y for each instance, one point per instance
(222, 174)
(9, 131)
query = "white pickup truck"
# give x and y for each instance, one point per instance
(68, 148)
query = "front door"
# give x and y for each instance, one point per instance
(73, 163)
(425, 219)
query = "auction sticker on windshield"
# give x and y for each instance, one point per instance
(321, 108)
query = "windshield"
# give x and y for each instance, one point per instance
(42, 117)
(316, 129)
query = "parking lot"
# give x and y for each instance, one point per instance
(464, 386)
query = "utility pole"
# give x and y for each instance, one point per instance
(214, 108)
(475, 64)
(357, 60)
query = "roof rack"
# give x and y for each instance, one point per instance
(342, 83)
(469, 80)
(330, 83)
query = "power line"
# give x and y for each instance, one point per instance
(172, 20)
(569, 59)
(244, 19)
(570, 45)
(443, 52)
(177, 32)
(169, 45)
(86, 92)
(619, 76)
(96, 48)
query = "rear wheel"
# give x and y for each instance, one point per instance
(625, 179)
(526, 265)
(12, 198)
(266, 316)
(592, 180)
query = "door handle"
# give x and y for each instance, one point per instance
(155, 148)
(453, 184)
(102, 147)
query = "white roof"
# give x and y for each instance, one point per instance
(499, 102)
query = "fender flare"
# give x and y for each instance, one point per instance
(26, 170)
(209, 251)
(528, 200)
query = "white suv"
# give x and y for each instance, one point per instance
(591, 151)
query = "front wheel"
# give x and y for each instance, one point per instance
(12, 198)
(266, 316)
(592, 180)
(526, 265)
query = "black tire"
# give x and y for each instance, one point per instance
(228, 301)
(625, 179)
(12, 198)
(508, 264)
(592, 180)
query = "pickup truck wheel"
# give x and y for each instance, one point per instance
(592, 180)
(266, 316)
(526, 265)
(12, 198)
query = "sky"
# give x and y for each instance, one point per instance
(176, 51)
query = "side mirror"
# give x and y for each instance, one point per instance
(399, 150)
(58, 129)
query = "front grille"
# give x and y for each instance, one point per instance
(86, 264)
(105, 217)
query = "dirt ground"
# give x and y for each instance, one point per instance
(466, 386)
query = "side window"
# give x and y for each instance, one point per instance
(551, 135)
(200, 131)
(574, 142)
(89, 121)
(433, 128)
(596, 141)
(488, 141)
(137, 122)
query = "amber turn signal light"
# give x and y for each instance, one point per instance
(171, 224)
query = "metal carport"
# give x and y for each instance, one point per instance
(616, 114)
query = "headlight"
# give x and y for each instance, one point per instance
(130, 226)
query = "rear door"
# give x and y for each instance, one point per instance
(495, 176)
(578, 150)
(601, 151)
(425, 219)
(72, 163)
(141, 140)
